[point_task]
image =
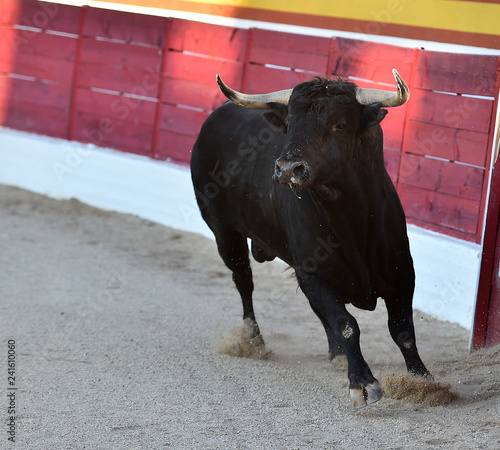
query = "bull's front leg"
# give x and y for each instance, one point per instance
(329, 307)
(400, 322)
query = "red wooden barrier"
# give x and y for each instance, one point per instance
(291, 59)
(195, 53)
(145, 84)
(37, 58)
(117, 81)
(443, 173)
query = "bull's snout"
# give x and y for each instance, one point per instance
(295, 174)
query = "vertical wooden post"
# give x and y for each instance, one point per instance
(331, 57)
(161, 80)
(492, 206)
(76, 68)
(246, 61)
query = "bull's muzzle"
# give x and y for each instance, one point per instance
(296, 174)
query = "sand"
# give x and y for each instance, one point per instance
(117, 323)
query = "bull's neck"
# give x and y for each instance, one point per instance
(354, 206)
(358, 193)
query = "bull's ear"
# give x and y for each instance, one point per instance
(372, 115)
(276, 116)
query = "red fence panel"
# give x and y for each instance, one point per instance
(39, 15)
(463, 74)
(117, 80)
(34, 106)
(44, 56)
(290, 51)
(427, 207)
(119, 67)
(278, 60)
(37, 59)
(114, 121)
(370, 60)
(128, 28)
(446, 142)
(196, 53)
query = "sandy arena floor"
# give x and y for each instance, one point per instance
(116, 323)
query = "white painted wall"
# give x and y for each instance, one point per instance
(447, 268)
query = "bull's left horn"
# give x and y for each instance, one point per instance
(258, 101)
(387, 98)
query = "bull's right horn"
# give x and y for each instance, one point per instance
(387, 98)
(258, 101)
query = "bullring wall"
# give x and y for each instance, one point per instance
(145, 84)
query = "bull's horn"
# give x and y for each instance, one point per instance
(387, 98)
(259, 101)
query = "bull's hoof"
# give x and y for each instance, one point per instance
(366, 395)
(254, 336)
(258, 342)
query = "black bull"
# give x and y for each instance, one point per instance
(306, 182)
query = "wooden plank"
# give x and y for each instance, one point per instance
(114, 121)
(115, 79)
(46, 57)
(191, 93)
(120, 67)
(207, 39)
(126, 27)
(36, 14)
(370, 60)
(181, 66)
(181, 121)
(446, 211)
(296, 51)
(40, 119)
(460, 73)
(34, 106)
(455, 111)
(174, 147)
(121, 55)
(127, 135)
(115, 107)
(444, 142)
(262, 79)
(446, 177)
(34, 92)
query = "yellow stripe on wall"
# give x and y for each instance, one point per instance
(450, 15)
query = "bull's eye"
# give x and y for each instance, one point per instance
(339, 127)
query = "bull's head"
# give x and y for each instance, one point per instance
(326, 123)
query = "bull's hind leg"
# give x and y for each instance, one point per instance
(233, 249)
